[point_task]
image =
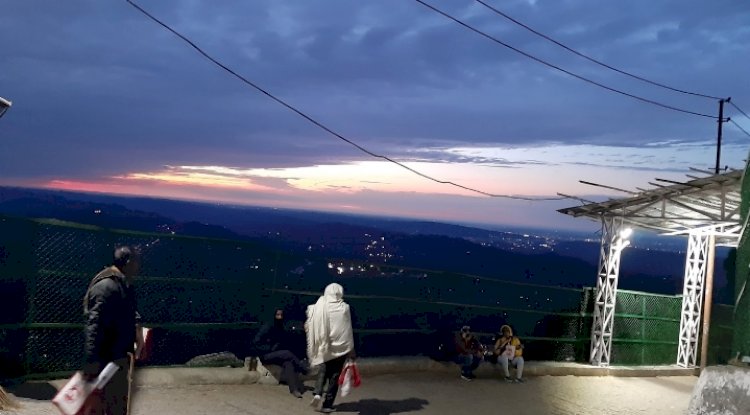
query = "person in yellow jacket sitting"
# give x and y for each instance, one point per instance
(508, 348)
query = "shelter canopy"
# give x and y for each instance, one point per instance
(710, 204)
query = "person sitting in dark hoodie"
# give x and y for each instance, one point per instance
(468, 351)
(273, 345)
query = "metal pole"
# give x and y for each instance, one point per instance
(718, 137)
(708, 300)
(643, 330)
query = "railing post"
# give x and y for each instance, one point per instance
(643, 330)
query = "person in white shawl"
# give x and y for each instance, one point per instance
(330, 341)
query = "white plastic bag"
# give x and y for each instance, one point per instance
(346, 386)
(71, 398)
(349, 378)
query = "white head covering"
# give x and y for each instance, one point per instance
(329, 326)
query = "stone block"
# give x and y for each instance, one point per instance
(721, 390)
(266, 377)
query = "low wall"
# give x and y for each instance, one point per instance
(166, 376)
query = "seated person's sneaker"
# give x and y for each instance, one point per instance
(315, 401)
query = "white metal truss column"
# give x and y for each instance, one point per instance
(605, 296)
(692, 298)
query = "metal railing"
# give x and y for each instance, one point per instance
(205, 295)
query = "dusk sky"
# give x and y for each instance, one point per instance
(106, 100)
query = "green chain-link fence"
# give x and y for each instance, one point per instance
(191, 290)
(646, 328)
(208, 295)
(721, 334)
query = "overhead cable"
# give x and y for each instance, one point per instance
(324, 127)
(738, 126)
(738, 109)
(543, 62)
(640, 78)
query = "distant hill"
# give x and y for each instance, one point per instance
(104, 213)
(654, 263)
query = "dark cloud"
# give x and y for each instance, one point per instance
(96, 79)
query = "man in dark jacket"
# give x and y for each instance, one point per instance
(273, 344)
(113, 326)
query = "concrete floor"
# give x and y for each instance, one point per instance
(421, 393)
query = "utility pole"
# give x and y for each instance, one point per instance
(709, 282)
(708, 290)
(721, 122)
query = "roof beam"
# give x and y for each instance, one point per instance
(608, 187)
(673, 206)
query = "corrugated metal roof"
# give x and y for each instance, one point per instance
(711, 203)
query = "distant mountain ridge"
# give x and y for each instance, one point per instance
(105, 213)
(148, 213)
(562, 259)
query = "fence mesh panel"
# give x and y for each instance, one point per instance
(646, 328)
(205, 295)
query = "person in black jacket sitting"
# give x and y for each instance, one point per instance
(273, 344)
(469, 353)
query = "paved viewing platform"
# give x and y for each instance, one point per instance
(395, 365)
(402, 385)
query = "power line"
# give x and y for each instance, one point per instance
(590, 58)
(738, 126)
(742, 112)
(738, 109)
(321, 125)
(543, 62)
